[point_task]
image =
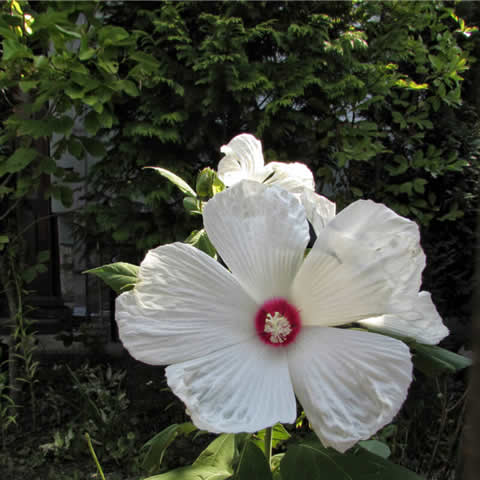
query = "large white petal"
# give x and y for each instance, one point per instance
(365, 263)
(261, 234)
(319, 209)
(293, 177)
(242, 388)
(394, 238)
(423, 323)
(243, 159)
(350, 383)
(184, 306)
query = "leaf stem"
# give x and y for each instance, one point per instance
(268, 445)
(92, 451)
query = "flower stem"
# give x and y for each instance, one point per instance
(268, 445)
(92, 451)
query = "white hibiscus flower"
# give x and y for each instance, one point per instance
(242, 343)
(243, 160)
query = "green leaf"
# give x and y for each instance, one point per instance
(176, 180)
(86, 54)
(43, 256)
(419, 185)
(279, 435)
(62, 193)
(192, 206)
(112, 35)
(214, 463)
(159, 443)
(129, 87)
(29, 274)
(317, 461)
(13, 49)
(110, 66)
(252, 464)
(306, 462)
(20, 159)
(93, 146)
(75, 148)
(27, 85)
(3, 241)
(376, 447)
(200, 240)
(433, 360)
(68, 33)
(219, 453)
(119, 276)
(92, 123)
(74, 91)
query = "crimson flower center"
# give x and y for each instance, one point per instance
(277, 322)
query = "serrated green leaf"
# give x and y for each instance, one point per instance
(119, 276)
(176, 180)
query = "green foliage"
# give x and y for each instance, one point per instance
(318, 462)
(156, 446)
(215, 462)
(368, 94)
(120, 276)
(433, 360)
(176, 180)
(99, 407)
(166, 85)
(252, 464)
(279, 435)
(7, 408)
(199, 239)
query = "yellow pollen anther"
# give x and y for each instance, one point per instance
(278, 326)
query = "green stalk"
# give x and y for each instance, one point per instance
(268, 445)
(92, 451)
